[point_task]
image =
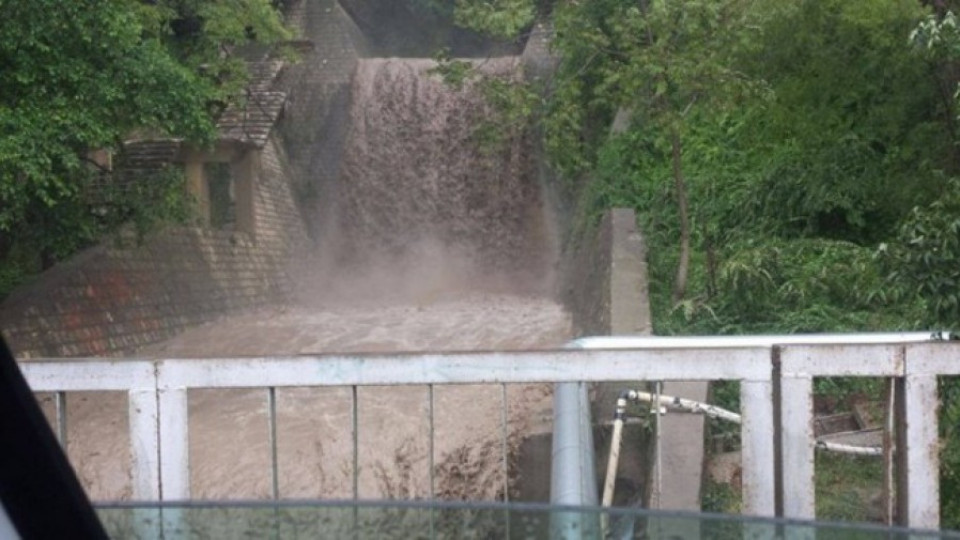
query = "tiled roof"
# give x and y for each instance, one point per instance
(251, 120)
(248, 121)
(262, 74)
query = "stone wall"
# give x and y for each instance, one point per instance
(121, 295)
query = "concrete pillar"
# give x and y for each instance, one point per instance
(918, 453)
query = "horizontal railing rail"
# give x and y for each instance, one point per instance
(776, 400)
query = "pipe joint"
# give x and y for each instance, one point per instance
(622, 400)
(621, 409)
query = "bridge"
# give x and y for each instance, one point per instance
(776, 387)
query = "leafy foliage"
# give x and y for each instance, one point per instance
(924, 260)
(824, 137)
(83, 75)
(821, 202)
(78, 77)
(513, 103)
(817, 144)
(659, 61)
(498, 18)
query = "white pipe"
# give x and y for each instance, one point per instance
(572, 473)
(610, 480)
(612, 463)
(657, 495)
(686, 342)
(688, 405)
(850, 448)
(697, 407)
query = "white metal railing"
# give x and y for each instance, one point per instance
(776, 383)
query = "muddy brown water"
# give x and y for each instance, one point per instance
(427, 243)
(229, 443)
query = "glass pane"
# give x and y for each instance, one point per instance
(421, 520)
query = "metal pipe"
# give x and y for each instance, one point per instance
(272, 427)
(686, 342)
(660, 402)
(430, 448)
(504, 447)
(841, 448)
(355, 432)
(506, 463)
(572, 479)
(697, 407)
(889, 429)
(687, 405)
(615, 441)
(431, 463)
(572, 474)
(610, 481)
(658, 449)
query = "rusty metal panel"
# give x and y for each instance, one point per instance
(842, 360)
(798, 447)
(757, 459)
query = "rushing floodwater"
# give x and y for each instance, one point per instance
(427, 244)
(228, 428)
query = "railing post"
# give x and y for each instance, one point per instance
(918, 452)
(798, 446)
(756, 409)
(174, 459)
(145, 444)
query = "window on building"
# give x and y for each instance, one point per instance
(222, 193)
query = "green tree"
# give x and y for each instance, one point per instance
(655, 63)
(503, 19)
(81, 75)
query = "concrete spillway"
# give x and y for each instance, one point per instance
(420, 201)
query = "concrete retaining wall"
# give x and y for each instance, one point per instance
(605, 288)
(121, 295)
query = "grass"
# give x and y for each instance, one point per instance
(848, 488)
